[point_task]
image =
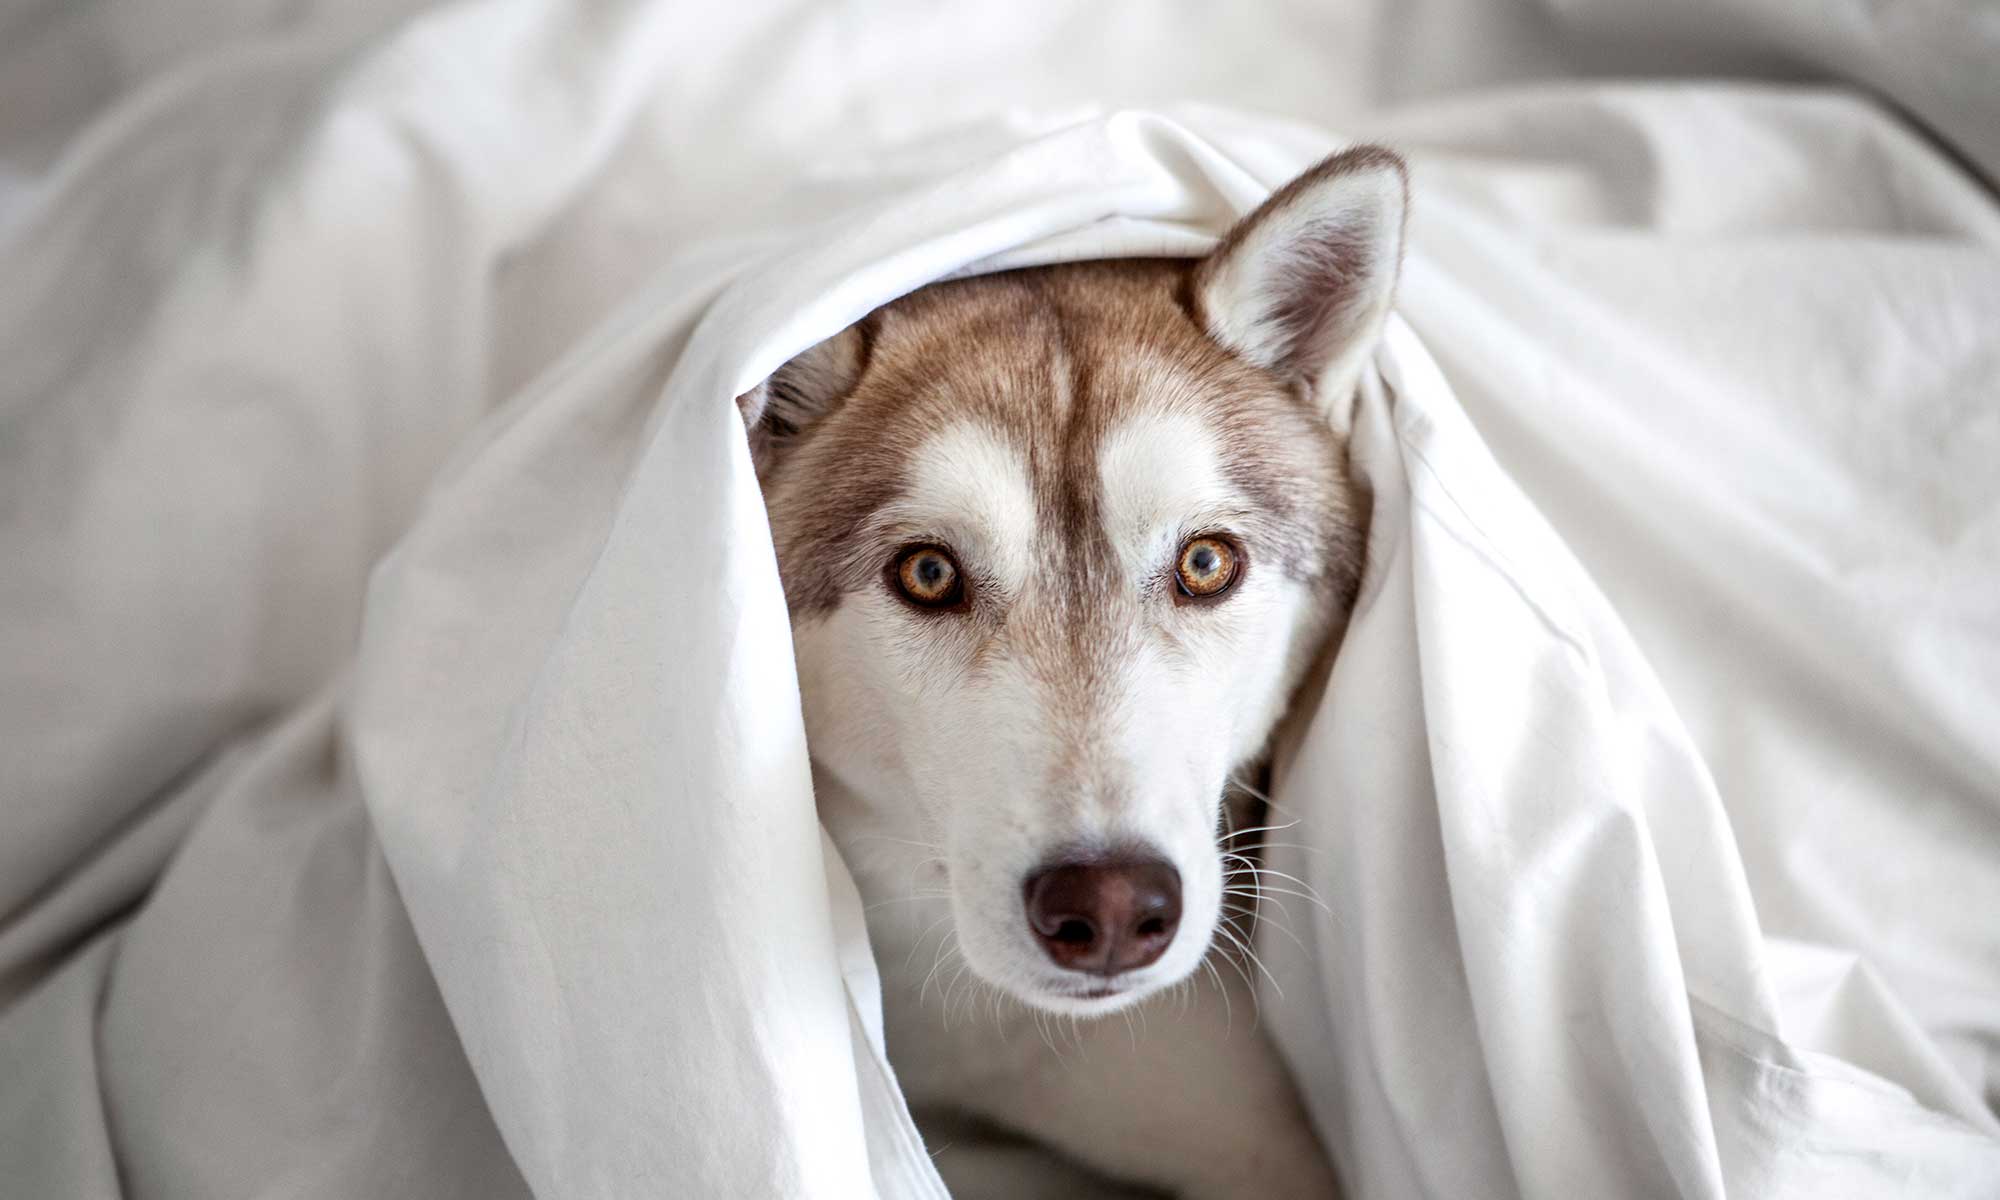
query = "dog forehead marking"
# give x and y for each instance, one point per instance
(1047, 364)
(971, 483)
(1161, 474)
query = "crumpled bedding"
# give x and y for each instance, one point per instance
(404, 789)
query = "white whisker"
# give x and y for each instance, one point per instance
(1255, 961)
(1259, 829)
(1228, 1014)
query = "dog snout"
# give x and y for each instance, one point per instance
(1105, 916)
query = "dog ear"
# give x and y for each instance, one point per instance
(1302, 286)
(801, 392)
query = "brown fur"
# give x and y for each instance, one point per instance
(1052, 358)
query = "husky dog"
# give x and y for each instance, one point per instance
(1060, 545)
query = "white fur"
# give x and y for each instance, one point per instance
(1161, 477)
(971, 489)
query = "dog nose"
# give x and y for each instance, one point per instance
(1105, 916)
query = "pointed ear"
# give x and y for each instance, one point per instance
(799, 393)
(1302, 286)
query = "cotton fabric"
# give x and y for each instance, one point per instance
(403, 785)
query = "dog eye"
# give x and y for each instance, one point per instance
(1208, 565)
(927, 577)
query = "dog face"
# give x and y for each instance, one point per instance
(1059, 545)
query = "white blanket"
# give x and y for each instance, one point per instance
(1655, 794)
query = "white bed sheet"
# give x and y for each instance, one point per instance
(1670, 868)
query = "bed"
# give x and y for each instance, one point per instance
(379, 814)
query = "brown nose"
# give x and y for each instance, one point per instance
(1105, 916)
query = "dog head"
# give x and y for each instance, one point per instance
(1059, 545)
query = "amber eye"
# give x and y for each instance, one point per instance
(1207, 567)
(927, 576)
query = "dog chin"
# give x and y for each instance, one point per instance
(1088, 1002)
(1083, 996)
